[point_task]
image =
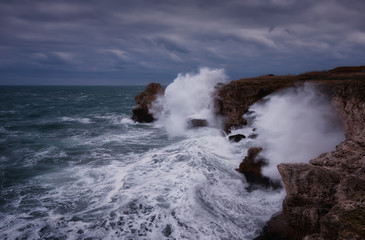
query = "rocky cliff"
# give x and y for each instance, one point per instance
(144, 100)
(326, 197)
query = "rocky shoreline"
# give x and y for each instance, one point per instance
(325, 197)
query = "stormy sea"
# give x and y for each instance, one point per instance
(73, 165)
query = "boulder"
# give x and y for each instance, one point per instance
(236, 138)
(251, 168)
(233, 99)
(196, 123)
(277, 228)
(144, 102)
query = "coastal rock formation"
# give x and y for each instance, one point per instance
(196, 123)
(251, 167)
(144, 102)
(325, 197)
(236, 137)
(234, 98)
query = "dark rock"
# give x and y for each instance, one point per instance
(233, 99)
(236, 138)
(277, 228)
(325, 198)
(253, 136)
(251, 168)
(196, 123)
(144, 102)
(346, 220)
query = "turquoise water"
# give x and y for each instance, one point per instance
(74, 166)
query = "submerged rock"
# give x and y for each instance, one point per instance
(196, 123)
(144, 102)
(236, 138)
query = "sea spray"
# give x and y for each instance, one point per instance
(111, 178)
(189, 96)
(295, 125)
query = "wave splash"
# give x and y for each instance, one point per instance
(295, 125)
(189, 96)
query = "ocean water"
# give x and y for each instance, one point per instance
(73, 165)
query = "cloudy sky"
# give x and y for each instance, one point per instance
(136, 42)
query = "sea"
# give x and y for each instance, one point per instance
(73, 165)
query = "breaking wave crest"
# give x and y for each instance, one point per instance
(190, 96)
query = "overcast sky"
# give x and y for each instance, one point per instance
(89, 42)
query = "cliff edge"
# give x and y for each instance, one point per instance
(325, 197)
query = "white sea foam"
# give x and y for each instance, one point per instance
(80, 120)
(296, 125)
(189, 96)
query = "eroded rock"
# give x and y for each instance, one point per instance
(144, 102)
(236, 137)
(251, 167)
(196, 123)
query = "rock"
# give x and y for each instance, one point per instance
(277, 228)
(233, 99)
(310, 193)
(144, 102)
(236, 138)
(196, 123)
(251, 168)
(346, 220)
(326, 198)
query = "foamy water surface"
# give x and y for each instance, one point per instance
(74, 166)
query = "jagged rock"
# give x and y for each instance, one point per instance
(196, 123)
(325, 198)
(144, 102)
(346, 220)
(251, 168)
(233, 99)
(236, 138)
(277, 228)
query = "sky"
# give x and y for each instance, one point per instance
(121, 42)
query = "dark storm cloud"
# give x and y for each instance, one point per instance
(135, 42)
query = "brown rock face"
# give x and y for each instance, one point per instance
(196, 123)
(144, 102)
(233, 99)
(251, 168)
(326, 198)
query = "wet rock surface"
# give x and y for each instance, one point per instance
(325, 197)
(144, 100)
(236, 137)
(251, 167)
(196, 123)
